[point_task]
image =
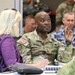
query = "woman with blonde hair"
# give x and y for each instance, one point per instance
(9, 28)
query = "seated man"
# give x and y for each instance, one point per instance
(38, 45)
(66, 35)
(29, 24)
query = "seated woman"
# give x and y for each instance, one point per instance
(9, 28)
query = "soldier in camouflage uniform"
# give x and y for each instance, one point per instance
(68, 5)
(38, 45)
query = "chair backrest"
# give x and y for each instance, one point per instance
(25, 69)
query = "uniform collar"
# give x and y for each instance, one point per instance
(38, 37)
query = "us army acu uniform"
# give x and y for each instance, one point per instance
(32, 48)
(62, 8)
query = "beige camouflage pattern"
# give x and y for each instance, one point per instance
(63, 7)
(33, 49)
(65, 53)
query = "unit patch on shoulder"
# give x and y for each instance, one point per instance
(22, 40)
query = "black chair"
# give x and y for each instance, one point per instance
(25, 69)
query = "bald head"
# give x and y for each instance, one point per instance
(43, 22)
(38, 15)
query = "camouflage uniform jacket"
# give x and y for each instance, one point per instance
(67, 69)
(32, 48)
(63, 7)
